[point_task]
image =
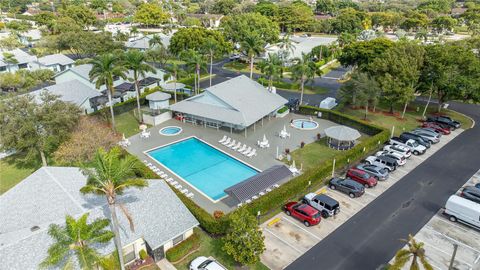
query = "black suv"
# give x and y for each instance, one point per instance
(445, 120)
(471, 193)
(293, 103)
(415, 137)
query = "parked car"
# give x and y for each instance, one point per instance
(427, 135)
(431, 131)
(362, 177)
(394, 155)
(417, 138)
(443, 119)
(327, 206)
(471, 193)
(348, 186)
(378, 172)
(382, 161)
(293, 103)
(416, 148)
(403, 150)
(234, 56)
(477, 185)
(438, 127)
(462, 210)
(303, 212)
(204, 263)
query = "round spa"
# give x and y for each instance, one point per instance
(304, 124)
(170, 131)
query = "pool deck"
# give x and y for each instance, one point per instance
(265, 157)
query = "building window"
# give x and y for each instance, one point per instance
(129, 253)
(22, 66)
(177, 239)
(3, 68)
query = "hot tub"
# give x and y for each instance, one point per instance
(170, 131)
(304, 124)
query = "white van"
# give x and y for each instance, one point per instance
(463, 210)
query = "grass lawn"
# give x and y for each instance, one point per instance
(295, 87)
(12, 172)
(127, 123)
(330, 67)
(213, 247)
(240, 66)
(190, 80)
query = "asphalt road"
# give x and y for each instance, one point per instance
(371, 237)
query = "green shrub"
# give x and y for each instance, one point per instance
(283, 109)
(143, 254)
(179, 251)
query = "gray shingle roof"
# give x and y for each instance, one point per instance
(84, 70)
(54, 59)
(50, 193)
(21, 56)
(259, 182)
(143, 42)
(158, 96)
(246, 102)
(342, 133)
(72, 91)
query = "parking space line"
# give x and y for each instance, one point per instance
(421, 158)
(477, 259)
(446, 253)
(285, 242)
(453, 224)
(303, 229)
(450, 238)
(350, 199)
(371, 194)
(402, 170)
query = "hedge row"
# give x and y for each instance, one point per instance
(179, 251)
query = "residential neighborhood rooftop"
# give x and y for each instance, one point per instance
(53, 59)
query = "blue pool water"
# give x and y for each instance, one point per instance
(203, 166)
(170, 131)
(304, 124)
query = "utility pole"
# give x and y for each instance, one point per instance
(455, 246)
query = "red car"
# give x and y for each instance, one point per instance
(361, 177)
(304, 212)
(436, 127)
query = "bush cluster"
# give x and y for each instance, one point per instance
(283, 109)
(179, 251)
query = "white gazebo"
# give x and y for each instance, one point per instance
(158, 100)
(341, 137)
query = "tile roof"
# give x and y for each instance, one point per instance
(50, 193)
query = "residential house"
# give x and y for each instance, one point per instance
(55, 62)
(30, 37)
(301, 44)
(74, 92)
(143, 43)
(22, 60)
(49, 194)
(208, 20)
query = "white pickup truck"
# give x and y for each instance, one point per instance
(416, 148)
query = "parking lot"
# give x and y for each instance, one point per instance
(286, 238)
(440, 234)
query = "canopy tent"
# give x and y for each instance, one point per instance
(342, 137)
(172, 86)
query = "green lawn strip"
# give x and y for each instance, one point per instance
(213, 247)
(127, 123)
(295, 87)
(241, 67)
(190, 80)
(331, 67)
(12, 172)
(313, 154)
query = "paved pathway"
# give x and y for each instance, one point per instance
(371, 237)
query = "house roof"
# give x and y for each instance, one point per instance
(302, 45)
(240, 101)
(72, 91)
(34, 34)
(21, 56)
(50, 193)
(143, 42)
(54, 59)
(158, 96)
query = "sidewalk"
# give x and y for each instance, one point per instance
(166, 265)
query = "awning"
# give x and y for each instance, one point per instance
(258, 183)
(125, 87)
(342, 133)
(148, 81)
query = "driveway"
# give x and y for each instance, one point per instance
(371, 238)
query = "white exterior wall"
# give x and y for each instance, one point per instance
(138, 245)
(69, 76)
(169, 244)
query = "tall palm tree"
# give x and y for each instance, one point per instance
(10, 59)
(156, 40)
(252, 46)
(195, 62)
(75, 240)
(303, 71)
(109, 176)
(415, 251)
(136, 61)
(105, 68)
(272, 68)
(287, 46)
(174, 71)
(210, 47)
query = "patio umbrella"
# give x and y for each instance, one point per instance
(143, 127)
(123, 136)
(284, 129)
(293, 164)
(264, 138)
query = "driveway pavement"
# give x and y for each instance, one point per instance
(286, 239)
(371, 237)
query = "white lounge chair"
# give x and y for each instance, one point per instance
(230, 145)
(254, 197)
(184, 191)
(145, 161)
(252, 153)
(169, 180)
(246, 152)
(173, 183)
(178, 186)
(243, 148)
(276, 186)
(223, 139)
(227, 141)
(268, 190)
(190, 195)
(163, 175)
(237, 146)
(261, 193)
(248, 201)
(239, 205)
(145, 134)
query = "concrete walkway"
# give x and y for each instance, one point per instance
(166, 265)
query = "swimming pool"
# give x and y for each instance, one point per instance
(170, 131)
(205, 168)
(304, 124)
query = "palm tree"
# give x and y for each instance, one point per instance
(110, 176)
(10, 59)
(252, 46)
(272, 68)
(210, 47)
(287, 46)
(105, 68)
(136, 62)
(156, 40)
(195, 62)
(75, 240)
(303, 71)
(174, 71)
(415, 251)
